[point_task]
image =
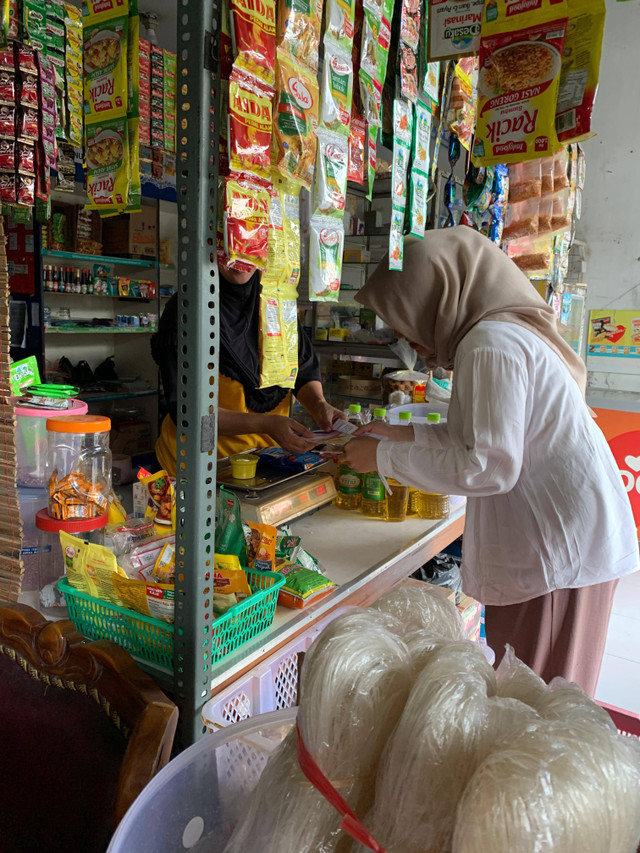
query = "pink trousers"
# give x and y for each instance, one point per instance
(562, 633)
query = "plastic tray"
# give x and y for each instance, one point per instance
(150, 641)
(627, 723)
(195, 802)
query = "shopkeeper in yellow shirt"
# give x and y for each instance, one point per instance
(248, 416)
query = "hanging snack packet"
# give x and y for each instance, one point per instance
(520, 58)
(105, 67)
(331, 174)
(399, 175)
(102, 10)
(410, 23)
(357, 136)
(499, 198)
(261, 547)
(369, 43)
(580, 70)
(408, 74)
(337, 88)
(396, 239)
(371, 95)
(327, 241)
(340, 17)
(155, 600)
(422, 139)
(229, 537)
(454, 27)
(249, 126)
(431, 83)
(290, 194)
(276, 266)
(461, 116)
(384, 40)
(107, 156)
(372, 137)
(295, 121)
(418, 207)
(402, 122)
(289, 326)
(272, 360)
(246, 223)
(253, 30)
(299, 26)
(302, 586)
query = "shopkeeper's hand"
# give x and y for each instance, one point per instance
(288, 433)
(324, 414)
(393, 433)
(360, 454)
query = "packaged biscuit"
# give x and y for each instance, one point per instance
(299, 25)
(249, 126)
(253, 29)
(89, 568)
(520, 61)
(325, 264)
(246, 223)
(155, 600)
(339, 22)
(295, 121)
(261, 546)
(337, 89)
(331, 175)
(454, 27)
(580, 70)
(105, 67)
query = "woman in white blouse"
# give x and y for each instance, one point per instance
(549, 529)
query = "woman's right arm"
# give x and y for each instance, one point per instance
(284, 431)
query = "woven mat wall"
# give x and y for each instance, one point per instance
(11, 568)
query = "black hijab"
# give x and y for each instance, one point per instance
(240, 347)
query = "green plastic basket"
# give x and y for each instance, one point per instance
(150, 641)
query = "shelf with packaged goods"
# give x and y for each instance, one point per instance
(107, 396)
(352, 348)
(141, 263)
(97, 330)
(101, 296)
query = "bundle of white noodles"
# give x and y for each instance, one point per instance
(419, 608)
(554, 786)
(566, 701)
(355, 681)
(517, 681)
(430, 757)
(463, 655)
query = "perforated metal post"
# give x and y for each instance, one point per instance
(197, 175)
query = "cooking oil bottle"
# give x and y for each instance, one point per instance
(374, 496)
(349, 481)
(431, 505)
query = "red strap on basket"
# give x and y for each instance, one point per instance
(350, 823)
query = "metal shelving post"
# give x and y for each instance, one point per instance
(197, 175)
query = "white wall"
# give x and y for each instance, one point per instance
(610, 223)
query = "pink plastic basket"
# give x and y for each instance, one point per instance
(626, 722)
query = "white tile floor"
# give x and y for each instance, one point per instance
(620, 676)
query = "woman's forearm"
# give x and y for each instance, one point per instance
(311, 395)
(240, 423)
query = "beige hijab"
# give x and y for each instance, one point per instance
(451, 280)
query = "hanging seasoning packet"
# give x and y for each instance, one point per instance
(276, 266)
(246, 223)
(272, 360)
(408, 73)
(461, 116)
(410, 23)
(418, 203)
(289, 326)
(325, 267)
(290, 194)
(331, 174)
(299, 26)
(396, 239)
(253, 30)
(357, 136)
(372, 138)
(520, 61)
(295, 121)
(340, 17)
(107, 157)
(337, 88)
(422, 139)
(105, 68)
(249, 126)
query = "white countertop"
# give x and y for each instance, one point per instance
(354, 551)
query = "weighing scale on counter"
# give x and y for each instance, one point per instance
(277, 497)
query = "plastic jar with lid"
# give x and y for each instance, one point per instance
(51, 560)
(78, 467)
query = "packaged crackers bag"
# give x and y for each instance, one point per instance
(520, 61)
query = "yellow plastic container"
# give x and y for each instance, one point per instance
(243, 466)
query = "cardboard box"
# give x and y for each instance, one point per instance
(131, 234)
(354, 386)
(129, 438)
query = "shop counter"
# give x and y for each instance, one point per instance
(366, 558)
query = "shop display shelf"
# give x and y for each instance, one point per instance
(351, 348)
(96, 259)
(124, 395)
(102, 296)
(97, 330)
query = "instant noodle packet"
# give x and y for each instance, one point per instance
(253, 29)
(105, 67)
(101, 10)
(261, 546)
(107, 157)
(229, 577)
(331, 175)
(371, 95)
(250, 116)
(325, 264)
(295, 120)
(156, 600)
(520, 60)
(299, 26)
(339, 22)
(89, 568)
(337, 88)
(246, 223)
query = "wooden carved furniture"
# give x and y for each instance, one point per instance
(82, 731)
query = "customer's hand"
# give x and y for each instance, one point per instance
(288, 433)
(393, 433)
(360, 454)
(324, 414)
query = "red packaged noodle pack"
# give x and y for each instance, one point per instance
(246, 223)
(250, 118)
(253, 29)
